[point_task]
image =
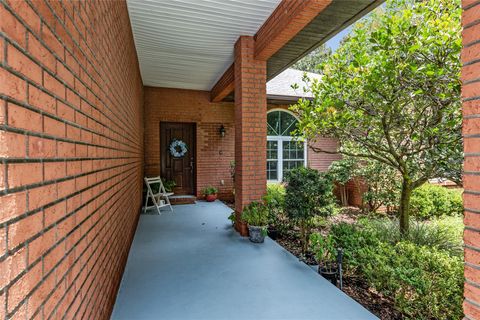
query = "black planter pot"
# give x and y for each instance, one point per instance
(272, 233)
(330, 273)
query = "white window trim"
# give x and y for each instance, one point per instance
(280, 140)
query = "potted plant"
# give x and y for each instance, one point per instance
(256, 216)
(326, 256)
(231, 217)
(210, 193)
(169, 185)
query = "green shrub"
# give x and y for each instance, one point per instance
(255, 214)
(275, 202)
(430, 234)
(424, 282)
(430, 201)
(308, 193)
(275, 196)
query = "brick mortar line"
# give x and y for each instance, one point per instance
(90, 296)
(471, 24)
(59, 180)
(472, 116)
(98, 62)
(64, 101)
(65, 121)
(471, 173)
(89, 258)
(48, 160)
(473, 135)
(471, 265)
(473, 302)
(47, 136)
(102, 75)
(471, 5)
(471, 210)
(472, 192)
(471, 81)
(472, 283)
(82, 82)
(471, 154)
(471, 62)
(61, 260)
(58, 242)
(48, 205)
(476, 249)
(472, 229)
(471, 99)
(471, 44)
(105, 256)
(67, 85)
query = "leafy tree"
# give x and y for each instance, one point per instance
(391, 93)
(308, 193)
(312, 61)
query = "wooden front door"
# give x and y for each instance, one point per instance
(179, 167)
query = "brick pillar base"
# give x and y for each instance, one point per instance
(471, 132)
(250, 127)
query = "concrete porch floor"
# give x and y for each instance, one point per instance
(190, 264)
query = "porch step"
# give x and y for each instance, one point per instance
(182, 199)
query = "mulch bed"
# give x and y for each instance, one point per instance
(353, 286)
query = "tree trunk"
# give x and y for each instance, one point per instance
(343, 195)
(404, 209)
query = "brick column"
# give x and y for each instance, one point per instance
(250, 126)
(471, 132)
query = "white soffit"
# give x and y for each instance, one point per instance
(188, 44)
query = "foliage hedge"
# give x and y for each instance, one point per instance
(430, 201)
(425, 282)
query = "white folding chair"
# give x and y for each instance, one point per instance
(159, 199)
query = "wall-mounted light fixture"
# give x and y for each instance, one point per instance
(222, 131)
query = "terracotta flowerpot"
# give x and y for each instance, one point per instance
(211, 197)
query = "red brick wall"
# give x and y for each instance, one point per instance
(250, 125)
(214, 153)
(71, 153)
(471, 132)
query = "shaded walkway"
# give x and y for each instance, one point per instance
(190, 264)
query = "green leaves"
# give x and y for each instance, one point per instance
(391, 92)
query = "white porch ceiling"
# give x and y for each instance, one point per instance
(188, 44)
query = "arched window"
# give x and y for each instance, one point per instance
(283, 152)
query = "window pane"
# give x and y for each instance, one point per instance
(273, 123)
(293, 150)
(288, 123)
(272, 172)
(291, 164)
(280, 123)
(272, 150)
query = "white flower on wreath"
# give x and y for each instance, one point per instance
(178, 148)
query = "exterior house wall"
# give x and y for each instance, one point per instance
(471, 133)
(214, 153)
(71, 155)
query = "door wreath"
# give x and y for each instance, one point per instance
(178, 148)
